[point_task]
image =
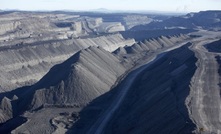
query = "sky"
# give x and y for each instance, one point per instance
(148, 5)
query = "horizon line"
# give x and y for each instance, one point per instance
(105, 10)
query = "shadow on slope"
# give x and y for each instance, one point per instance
(154, 104)
(156, 101)
(75, 82)
(214, 46)
(11, 107)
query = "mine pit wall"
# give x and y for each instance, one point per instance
(158, 97)
(27, 63)
(24, 65)
(74, 83)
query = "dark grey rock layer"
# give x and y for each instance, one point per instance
(156, 108)
(214, 46)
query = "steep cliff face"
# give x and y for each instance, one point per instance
(75, 82)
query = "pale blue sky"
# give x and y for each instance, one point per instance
(158, 5)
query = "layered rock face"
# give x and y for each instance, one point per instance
(75, 82)
(97, 25)
(8, 26)
(134, 20)
(27, 63)
(68, 86)
(31, 43)
(110, 27)
(16, 26)
(152, 44)
(83, 77)
(109, 42)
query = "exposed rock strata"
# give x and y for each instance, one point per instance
(152, 44)
(26, 64)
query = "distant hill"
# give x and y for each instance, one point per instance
(203, 19)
